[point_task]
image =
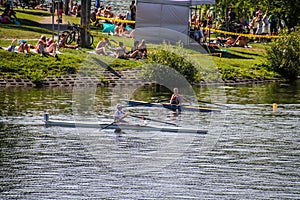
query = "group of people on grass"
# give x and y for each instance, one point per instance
(138, 51)
(116, 23)
(259, 23)
(45, 46)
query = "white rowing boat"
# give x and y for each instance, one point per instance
(86, 124)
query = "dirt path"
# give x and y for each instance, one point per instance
(46, 22)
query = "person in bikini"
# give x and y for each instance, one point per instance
(101, 47)
(41, 47)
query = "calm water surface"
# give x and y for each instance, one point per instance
(250, 152)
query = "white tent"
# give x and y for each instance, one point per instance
(164, 20)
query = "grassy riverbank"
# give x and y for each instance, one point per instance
(235, 63)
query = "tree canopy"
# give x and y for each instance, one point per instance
(287, 10)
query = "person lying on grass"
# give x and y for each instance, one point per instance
(62, 43)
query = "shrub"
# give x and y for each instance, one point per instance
(283, 55)
(164, 57)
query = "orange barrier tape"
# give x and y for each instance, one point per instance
(117, 20)
(242, 34)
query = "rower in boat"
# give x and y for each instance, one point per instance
(120, 115)
(119, 118)
(176, 100)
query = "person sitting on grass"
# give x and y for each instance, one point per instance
(119, 29)
(135, 53)
(8, 16)
(241, 41)
(100, 48)
(135, 46)
(140, 52)
(42, 48)
(121, 51)
(62, 43)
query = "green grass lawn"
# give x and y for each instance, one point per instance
(237, 63)
(234, 63)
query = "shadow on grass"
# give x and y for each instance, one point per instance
(225, 53)
(250, 54)
(26, 27)
(34, 13)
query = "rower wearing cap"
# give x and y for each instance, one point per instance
(120, 114)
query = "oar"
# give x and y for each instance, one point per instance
(145, 118)
(112, 123)
(144, 103)
(107, 126)
(217, 104)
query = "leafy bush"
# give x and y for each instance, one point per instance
(283, 55)
(163, 57)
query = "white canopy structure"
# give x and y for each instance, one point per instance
(164, 20)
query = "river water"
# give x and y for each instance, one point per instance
(250, 152)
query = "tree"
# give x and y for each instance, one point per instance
(85, 22)
(288, 10)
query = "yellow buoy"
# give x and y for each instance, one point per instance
(275, 106)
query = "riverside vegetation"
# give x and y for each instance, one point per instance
(257, 62)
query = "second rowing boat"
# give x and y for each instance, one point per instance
(87, 124)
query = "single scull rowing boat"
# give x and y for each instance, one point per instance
(171, 106)
(86, 124)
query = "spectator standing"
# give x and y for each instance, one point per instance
(192, 24)
(253, 23)
(60, 6)
(74, 9)
(7, 15)
(78, 11)
(93, 18)
(259, 23)
(132, 10)
(231, 15)
(265, 21)
(273, 24)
